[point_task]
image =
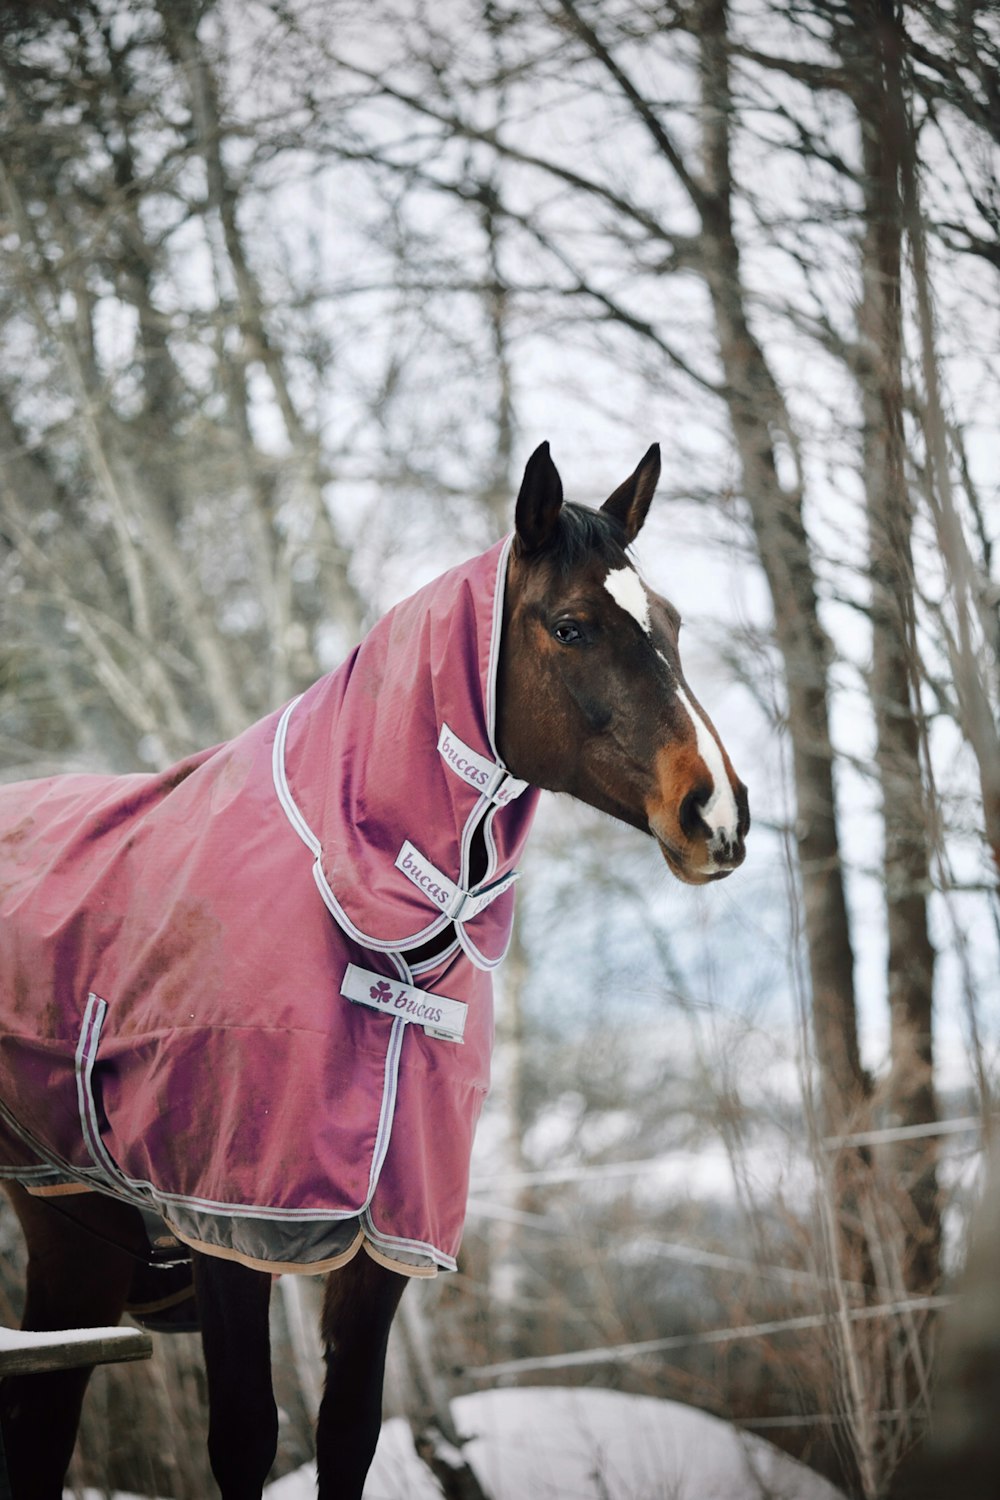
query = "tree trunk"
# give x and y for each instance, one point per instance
(895, 684)
(756, 410)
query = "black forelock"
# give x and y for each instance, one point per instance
(582, 533)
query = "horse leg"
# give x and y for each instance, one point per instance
(243, 1419)
(79, 1269)
(360, 1303)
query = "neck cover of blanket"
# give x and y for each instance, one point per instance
(209, 1002)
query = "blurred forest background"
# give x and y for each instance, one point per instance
(289, 290)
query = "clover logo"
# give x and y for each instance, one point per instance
(382, 992)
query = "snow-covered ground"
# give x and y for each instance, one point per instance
(556, 1444)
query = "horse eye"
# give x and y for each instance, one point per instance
(567, 632)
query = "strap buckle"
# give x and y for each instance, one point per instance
(468, 904)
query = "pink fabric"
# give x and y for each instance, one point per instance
(172, 949)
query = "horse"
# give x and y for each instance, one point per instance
(546, 664)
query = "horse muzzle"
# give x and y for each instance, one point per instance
(695, 853)
(692, 870)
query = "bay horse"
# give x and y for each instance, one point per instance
(256, 901)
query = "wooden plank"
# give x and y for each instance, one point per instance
(26, 1352)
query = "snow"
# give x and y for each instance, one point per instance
(22, 1338)
(585, 1444)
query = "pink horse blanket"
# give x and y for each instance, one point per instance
(211, 1002)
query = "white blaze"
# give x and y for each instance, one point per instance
(629, 593)
(719, 812)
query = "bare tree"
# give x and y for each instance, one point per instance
(872, 46)
(225, 431)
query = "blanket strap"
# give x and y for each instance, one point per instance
(455, 902)
(487, 777)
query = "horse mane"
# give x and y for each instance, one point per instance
(582, 533)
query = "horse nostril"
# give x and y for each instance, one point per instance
(689, 814)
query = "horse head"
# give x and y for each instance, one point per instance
(592, 696)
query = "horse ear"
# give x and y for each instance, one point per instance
(539, 501)
(630, 501)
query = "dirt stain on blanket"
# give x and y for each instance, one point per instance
(17, 835)
(175, 964)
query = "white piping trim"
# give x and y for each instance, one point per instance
(415, 1247)
(29, 1174)
(436, 960)
(492, 852)
(52, 1160)
(484, 812)
(496, 630)
(389, 946)
(402, 968)
(473, 954)
(280, 779)
(387, 1113)
(84, 1061)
